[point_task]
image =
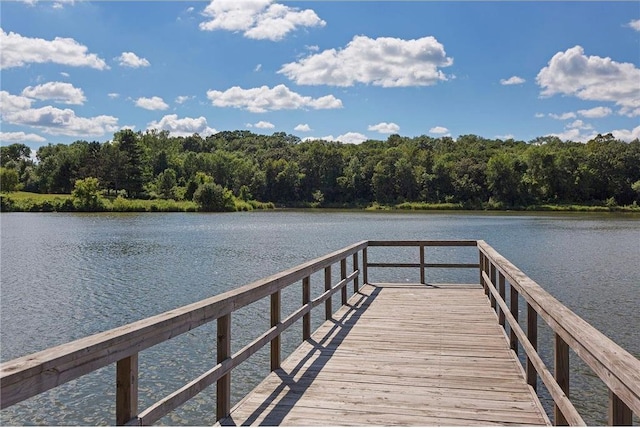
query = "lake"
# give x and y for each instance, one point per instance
(66, 276)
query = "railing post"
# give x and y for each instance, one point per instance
(561, 371)
(275, 320)
(619, 412)
(492, 275)
(343, 275)
(365, 267)
(328, 308)
(502, 292)
(532, 335)
(223, 387)
(481, 264)
(306, 298)
(422, 273)
(356, 286)
(513, 338)
(126, 389)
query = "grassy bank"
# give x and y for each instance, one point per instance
(36, 202)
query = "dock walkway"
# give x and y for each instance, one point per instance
(399, 355)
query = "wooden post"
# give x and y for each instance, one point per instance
(502, 291)
(481, 263)
(561, 371)
(619, 412)
(513, 339)
(356, 286)
(328, 308)
(306, 298)
(126, 389)
(223, 387)
(492, 275)
(422, 273)
(365, 267)
(532, 335)
(275, 320)
(343, 275)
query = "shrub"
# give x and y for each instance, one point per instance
(214, 197)
(86, 195)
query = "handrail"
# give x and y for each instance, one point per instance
(617, 368)
(30, 375)
(33, 374)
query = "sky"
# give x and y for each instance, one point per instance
(336, 70)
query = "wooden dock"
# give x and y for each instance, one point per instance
(393, 354)
(399, 355)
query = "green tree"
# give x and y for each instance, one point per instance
(166, 183)
(214, 197)
(86, 195)
(8, 179)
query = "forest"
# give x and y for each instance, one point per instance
(469, 172)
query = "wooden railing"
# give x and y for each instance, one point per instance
(617, 368)
(33, 374)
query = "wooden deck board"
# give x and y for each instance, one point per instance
(399, 355)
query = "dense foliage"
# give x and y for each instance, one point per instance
(472, 172)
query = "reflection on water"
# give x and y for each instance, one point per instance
(65, 276)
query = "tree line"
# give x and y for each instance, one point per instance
(472, 171)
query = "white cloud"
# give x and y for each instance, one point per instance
(183, 127)
(258, 68)
(20, 137)
(10, 103)
(578, 124)
(574, 134)
(539, 115)
(563, 116)
(595, 112)
(18, 51)
(65, 74)
(264, 125)
(592, 78)
(262, 99)
(62, 92)
(386, 62)
(384, 128)
(113, 95)
(257, 19)
(181, 99)
(505, 137)
(153, 103)
(129, 59)
(302, 127)
(513, 80)
(627, 135)
(351, 138)
(56, 121)
(438, 130)
(635, 24)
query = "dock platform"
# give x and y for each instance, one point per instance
(399, 354)
(413, 354)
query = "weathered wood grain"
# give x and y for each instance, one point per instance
(373, 364)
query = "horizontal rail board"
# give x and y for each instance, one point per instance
(616, 367)
(426, 265)
(559, 397)
(464, 243)
(27, 376)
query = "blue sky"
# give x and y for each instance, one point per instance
(347, 71)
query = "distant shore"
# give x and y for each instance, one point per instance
(35, 202)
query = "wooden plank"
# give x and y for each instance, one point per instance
(275, 311)
(369, 366)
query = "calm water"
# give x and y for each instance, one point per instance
(65, 276)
